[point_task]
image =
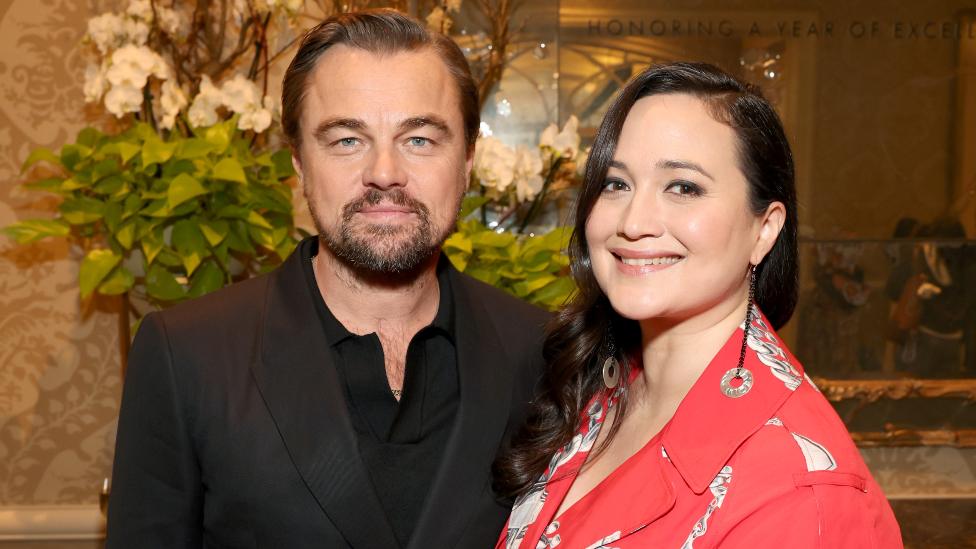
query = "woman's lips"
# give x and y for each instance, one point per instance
(643, 265)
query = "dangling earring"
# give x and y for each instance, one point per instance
(740, 372)
(611, 370)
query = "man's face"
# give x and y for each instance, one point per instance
(383, 158)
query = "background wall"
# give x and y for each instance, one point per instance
(59, 369)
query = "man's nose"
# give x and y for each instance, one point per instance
(384, 169)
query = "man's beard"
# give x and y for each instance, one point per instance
(382, 248)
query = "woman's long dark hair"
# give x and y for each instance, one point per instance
(576, 341)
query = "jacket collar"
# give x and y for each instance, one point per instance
(708, 426)
(301, 389)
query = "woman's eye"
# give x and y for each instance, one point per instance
(684, 188)
(614, 185)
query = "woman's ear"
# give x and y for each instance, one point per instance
(770, 224)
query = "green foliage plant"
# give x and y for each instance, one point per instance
(165, 219)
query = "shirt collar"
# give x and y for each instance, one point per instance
(335, 332)
(708, 426)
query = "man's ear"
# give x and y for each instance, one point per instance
(770, 224)
(296, 163)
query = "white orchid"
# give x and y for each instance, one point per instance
(256, 119)
(95, 82)
(171, 102)
(136, 32)
(123, 99)
(203, 110)
(141, 10)
(527, 168)
(494, 163)
(565, 142)
(132, 65)
(240, 95)
(106, 31)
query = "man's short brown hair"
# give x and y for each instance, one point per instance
(381, 31)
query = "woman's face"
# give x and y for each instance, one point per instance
(671, 235)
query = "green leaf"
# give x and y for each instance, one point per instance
(208, 278)
(190, 244)
(155, 151)
(214, 231)
(126, 233)
(161, 284)
(152, 244)
(105, 168)
(50, 184)
(229, 169)
(96, 265)
(530, 285)
(182, 188)
(73, 154)
(118, 282)
(194, 147)
(88, 137)
(112, 211)
(79, 211)
(158, 208)
(219, 135)
(263, 237)
(110, 185)
(555, 294)
(492, 239)
(31, 230)
(131, 205)
(282, 163)
(128, 150)
(72, 184)
(40, 154)
(458, 241)
(472, 203)
(257, 220)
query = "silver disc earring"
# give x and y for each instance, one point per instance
(611, 370)
(738, 381)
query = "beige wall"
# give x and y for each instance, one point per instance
(59, 370)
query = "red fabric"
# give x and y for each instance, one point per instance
(772, 468)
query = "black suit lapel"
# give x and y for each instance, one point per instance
(485, 379)
(302, 390)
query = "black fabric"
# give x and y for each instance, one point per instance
(234, 429)
(409, 435)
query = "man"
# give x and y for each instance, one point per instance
(358, 394)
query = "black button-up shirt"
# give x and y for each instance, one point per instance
(401, 443)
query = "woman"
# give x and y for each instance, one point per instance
(671, 415)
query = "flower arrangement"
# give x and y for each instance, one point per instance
(511, 188)
(188, 192)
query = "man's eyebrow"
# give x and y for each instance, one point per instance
(431, 120)
(683, 165)
(326, 126)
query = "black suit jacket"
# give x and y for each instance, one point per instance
(234, 431)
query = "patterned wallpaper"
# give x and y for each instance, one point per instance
(59, 370)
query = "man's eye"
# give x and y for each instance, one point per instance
(347, 142)
(419, 141)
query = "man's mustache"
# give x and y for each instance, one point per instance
(397, 197)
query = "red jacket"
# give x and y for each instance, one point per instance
(774, 467)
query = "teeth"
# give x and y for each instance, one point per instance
(650, 261)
